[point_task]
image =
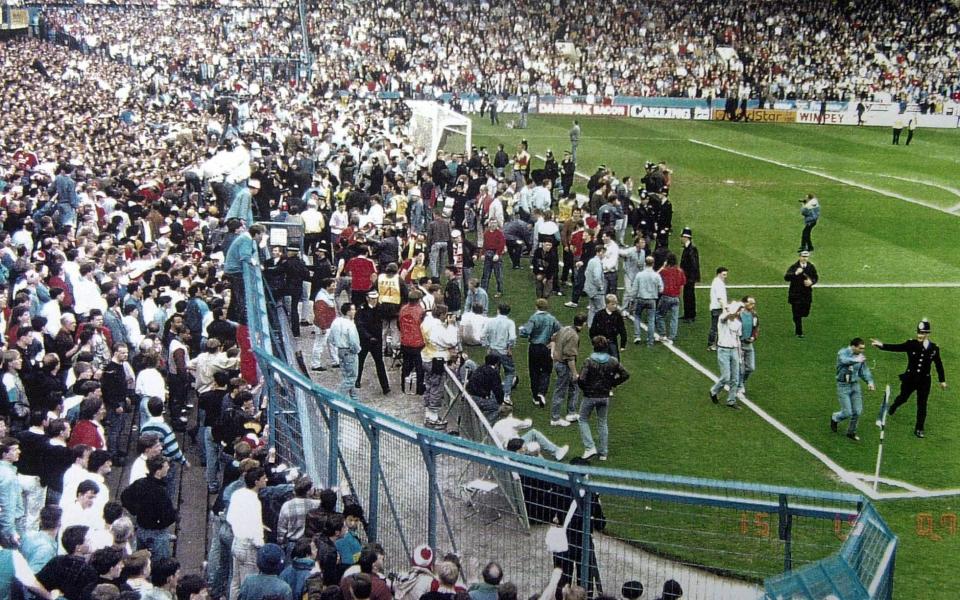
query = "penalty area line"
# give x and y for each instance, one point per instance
(816, 173)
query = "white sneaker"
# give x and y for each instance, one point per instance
(572, 417)
(562, 451)
(589, 454)
(570, 304)
(603, 457)
(561, 422)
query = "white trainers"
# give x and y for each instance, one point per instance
(562, 451)
(573, 417)
(588, 454)
(561, 422)
(603, 457)
(570, 304)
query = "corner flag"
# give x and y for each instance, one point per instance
(882, 415)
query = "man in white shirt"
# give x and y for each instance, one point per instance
(728, 354)
(508, 427)
(472, 325)
(718, 299)
(75, 474)
(246, 519)
(148, 445)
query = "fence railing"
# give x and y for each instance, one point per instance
(465, 494)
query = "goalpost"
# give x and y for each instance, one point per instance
(435, 127)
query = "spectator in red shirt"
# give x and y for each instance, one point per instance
(363, 275)
(669, 306)
(494, 245)
(89, 429)
(411, 340)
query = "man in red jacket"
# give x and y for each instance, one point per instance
(363, 274)
(411, 340)
(494, 245)
(89, 429)
(324, 312)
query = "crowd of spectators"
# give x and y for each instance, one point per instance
(767, 50)
(133, 166)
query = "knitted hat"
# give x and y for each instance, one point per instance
(422, 557)
(270, 559)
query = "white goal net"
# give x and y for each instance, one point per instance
(435, 127)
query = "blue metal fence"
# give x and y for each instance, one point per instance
(719, 539)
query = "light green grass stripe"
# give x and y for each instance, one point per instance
(848, 182)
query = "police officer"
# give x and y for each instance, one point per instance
(921, 354)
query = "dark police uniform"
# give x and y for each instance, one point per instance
(917, 376)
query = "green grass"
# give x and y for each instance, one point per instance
(745, 215)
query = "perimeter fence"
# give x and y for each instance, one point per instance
(465, 494)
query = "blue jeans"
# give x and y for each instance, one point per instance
(349, 369)
(144, 413)
(586, 407)
(172, 481)
(535, 436)
(157, 541)
(219, 558)
(597, 304)
(851, 404)
(728, 359)
(565, 389)
(212, 451)
(438, 258)
(115, 424)
(650, 306)
(496, 267)
(509, 371)
(669, 308)
(748, 364)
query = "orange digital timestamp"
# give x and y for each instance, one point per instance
(929, 526)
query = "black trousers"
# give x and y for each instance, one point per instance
(376, 353)
(690, 300)
(412, 362)
(568, 268)
(907, 387)
(540, 365)
(800, 310)
(515, 249)
(805, 242)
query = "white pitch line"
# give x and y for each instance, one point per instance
(853, 479)
(869, 478)
(844, 286)
(847, 476)
(848, 182)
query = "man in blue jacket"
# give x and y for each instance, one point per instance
(851, 368)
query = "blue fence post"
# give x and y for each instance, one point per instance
(586, 507)
(429, 460)
(786, 533)
(373, 500)
(333, 449)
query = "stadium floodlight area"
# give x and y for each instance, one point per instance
(466, 494)
(435, 127)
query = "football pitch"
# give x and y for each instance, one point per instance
(887, 254)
